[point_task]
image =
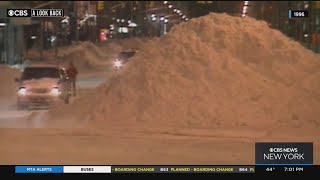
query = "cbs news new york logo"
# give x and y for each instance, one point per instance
(35, 13)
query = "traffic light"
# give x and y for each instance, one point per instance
(100, 5)
(315, 39)
(151, 4)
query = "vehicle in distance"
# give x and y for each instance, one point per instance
(123, 58)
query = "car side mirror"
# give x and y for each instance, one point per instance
(16, 79)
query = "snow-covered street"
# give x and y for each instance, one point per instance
(202, 94)
(10, 117)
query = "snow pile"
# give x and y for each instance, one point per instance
(86, 55)
(82, 46)
(83, 60)
(216, 71)
(128, 44)
(115, 46)
(8, 85)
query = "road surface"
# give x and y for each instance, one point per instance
(10, 117)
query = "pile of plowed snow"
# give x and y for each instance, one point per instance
(8, 85)
(83, 60)
(113, 47)
(82, 46)
(85, 55)
(214, 71)
(88, 56)
(127, 44)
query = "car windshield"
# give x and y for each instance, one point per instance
(126, 55)
(40, 72)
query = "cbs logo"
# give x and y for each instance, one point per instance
(17, 13)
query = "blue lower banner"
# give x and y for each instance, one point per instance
(63, 169)
(39, 169)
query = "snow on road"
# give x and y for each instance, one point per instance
(204, 102)
(139, 145)
(10, 117)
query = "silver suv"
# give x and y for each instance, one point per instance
(40, 85)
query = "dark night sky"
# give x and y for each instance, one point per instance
(232, 7)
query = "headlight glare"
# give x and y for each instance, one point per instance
(22, 91)
(55, 91)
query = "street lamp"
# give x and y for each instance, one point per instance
(244, 11)
(165, 26)
(170, 6)
(245, 8)
(165, 2)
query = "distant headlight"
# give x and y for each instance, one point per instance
(55, 91)
(22, 91)
(117, 63)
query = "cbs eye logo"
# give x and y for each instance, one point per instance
(18, 12)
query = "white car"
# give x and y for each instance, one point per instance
(41, 85)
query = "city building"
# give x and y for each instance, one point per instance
(12, 38)
(276, 13)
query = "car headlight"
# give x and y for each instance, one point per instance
(117, 63)
(55, 91)
(22, 91)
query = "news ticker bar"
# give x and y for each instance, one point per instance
(35, 13)
(134, 169)
(162, 169)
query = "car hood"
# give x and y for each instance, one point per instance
(40, 83)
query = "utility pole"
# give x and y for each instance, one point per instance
(76, 20)
(57, 34)
(41, 39)
(100, 8)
